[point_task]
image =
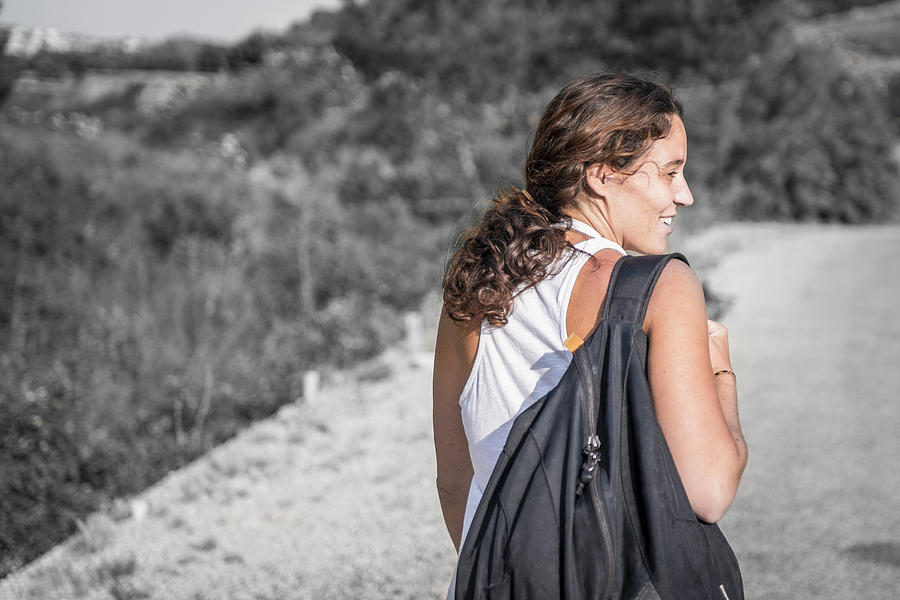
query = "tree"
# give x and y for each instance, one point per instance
(249, 51)
(10, 66)
(211, 58)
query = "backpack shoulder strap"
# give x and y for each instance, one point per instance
(631, 283)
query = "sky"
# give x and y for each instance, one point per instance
(156, 19)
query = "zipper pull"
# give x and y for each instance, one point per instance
(591, 452)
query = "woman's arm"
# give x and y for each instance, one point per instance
(453, 357)
(697, 412)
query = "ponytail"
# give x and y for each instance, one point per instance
(516, 243)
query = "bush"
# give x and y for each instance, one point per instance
(247, 52)
(41, 484)
(156, 302)
(10, 67)
(265, 108)
(811, 144)
(823, 7)
(893, 104)
(483, 51)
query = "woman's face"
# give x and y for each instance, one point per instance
(641, 207)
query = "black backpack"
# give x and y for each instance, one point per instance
(585, 501)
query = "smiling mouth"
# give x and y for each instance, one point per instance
(666, 220)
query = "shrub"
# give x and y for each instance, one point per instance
(41, 491)
(811, 144)
(158, 302)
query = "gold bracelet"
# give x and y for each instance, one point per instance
(721, 371)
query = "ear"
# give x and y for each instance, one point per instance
(598, 177)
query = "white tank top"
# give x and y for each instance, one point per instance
(518, 363)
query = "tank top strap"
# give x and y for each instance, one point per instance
(582, 227)
(595, 242)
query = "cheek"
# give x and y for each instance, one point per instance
(659, 202)
(666, 197)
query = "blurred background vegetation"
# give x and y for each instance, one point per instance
(186, 227)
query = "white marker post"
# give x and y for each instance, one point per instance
(412, 322)
(310, 386)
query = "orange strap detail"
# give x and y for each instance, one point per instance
(573, 343)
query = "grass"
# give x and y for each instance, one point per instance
(118, 568)
(191, 490)
(94, 534)
(205, 545)
(55, 577)
(225, 468)
(67, 577)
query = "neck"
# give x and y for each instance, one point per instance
(595, 219)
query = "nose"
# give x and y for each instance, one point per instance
(683, 195)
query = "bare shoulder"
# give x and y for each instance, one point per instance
(455, 350)
(678, 292)
(586, 301)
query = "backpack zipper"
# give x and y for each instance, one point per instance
(591, 453)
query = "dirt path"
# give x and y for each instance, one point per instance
(335, 499)
(815, 338)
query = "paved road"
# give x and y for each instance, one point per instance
(815, 339)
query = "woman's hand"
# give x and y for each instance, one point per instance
(718, 346)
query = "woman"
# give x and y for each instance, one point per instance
(605, 174)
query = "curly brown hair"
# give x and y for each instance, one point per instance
(602, 118)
